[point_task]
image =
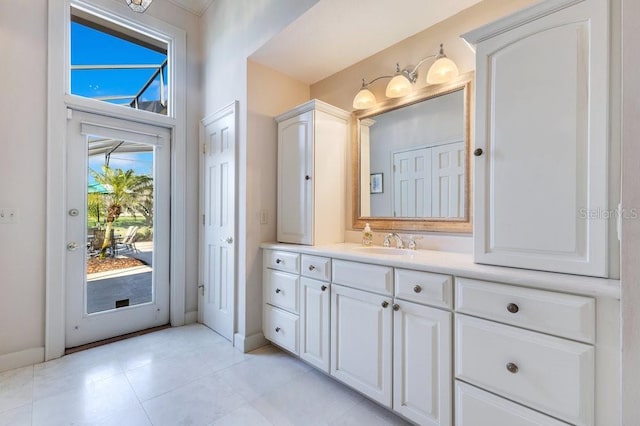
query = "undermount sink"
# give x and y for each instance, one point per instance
(386, 250)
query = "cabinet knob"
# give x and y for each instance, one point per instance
(279, 260)
(478, 152)
(512, 368)
(396, 307)
(323, 288)
(513, 308)
(307, 177)
(417, 289)
(385, 304)
(311, 267)
(278, 290)
(277, 329)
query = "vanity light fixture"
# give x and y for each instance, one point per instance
(138, 5)
(441, 71)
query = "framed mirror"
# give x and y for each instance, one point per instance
(411, 161)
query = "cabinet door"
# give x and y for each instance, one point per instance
(542, 121)
(314, 322)
(361, 343)
(295, 179)
(422, 375)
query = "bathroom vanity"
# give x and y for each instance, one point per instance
(436, 337)
(446, 338)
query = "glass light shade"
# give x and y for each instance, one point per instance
(364, 99)
(398, 87)
(442, 71)
(139, 5)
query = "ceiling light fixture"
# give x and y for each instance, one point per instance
(138, 5)
(441, 71)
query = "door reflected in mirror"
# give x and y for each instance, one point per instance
(420, 147)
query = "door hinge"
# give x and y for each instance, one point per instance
(204, 148)
(203, 221)
(394, 167)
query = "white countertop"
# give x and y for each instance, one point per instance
(461, 264)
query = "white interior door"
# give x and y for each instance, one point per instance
(412, 183)
(217, 295)
(116, 283)
(448, 180)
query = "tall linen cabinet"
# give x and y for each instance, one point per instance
(312, 168)
(542, 141)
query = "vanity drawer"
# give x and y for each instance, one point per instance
(374, 278)
(281, 289)
(543, 372)
(477, 407)
(281, 328)
(424, 287)
(282, 260)
(316, 267)
(564, 315)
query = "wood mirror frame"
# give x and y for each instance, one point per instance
(457, 225)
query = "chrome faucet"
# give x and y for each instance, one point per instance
(387, 240)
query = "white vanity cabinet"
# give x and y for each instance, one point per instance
(280, 287)
(361, 328)
(541, 146)
(422, 366)
(547, 372)
(312, 156)
(315, 300)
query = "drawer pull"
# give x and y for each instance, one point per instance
(512, 368)
(396, 307)
(278, 290)
(417, 289)
(311, 267)
(279, 261)
(385, 304)
(277, 329)
(513, 308)
(323, 288)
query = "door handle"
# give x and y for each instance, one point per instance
(72, 246)
(227, 240)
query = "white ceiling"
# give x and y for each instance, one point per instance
(194, 6)
(335, 34)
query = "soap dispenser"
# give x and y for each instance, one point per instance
(367, 235)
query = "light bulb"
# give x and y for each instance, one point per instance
(398, 87)
(364, 99)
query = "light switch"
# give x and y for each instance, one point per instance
(264, 217)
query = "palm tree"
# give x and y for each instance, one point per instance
(126, 189)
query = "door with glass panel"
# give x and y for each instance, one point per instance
(117, 227)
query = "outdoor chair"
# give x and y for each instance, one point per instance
(129, 240)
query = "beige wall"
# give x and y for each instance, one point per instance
(23, 113)
(630, 200)
(269, 93)
(232, 31)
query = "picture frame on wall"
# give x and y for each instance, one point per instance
(376, 183)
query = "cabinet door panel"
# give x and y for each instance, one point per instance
(542, 123)
(422, 374)
(314, 322)
(295, 177)
(361, 342)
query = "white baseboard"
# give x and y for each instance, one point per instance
(191, 317)
(249, 343)
(21, 358)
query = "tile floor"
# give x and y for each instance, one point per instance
(180, 376)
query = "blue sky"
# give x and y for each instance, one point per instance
(92, 47)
